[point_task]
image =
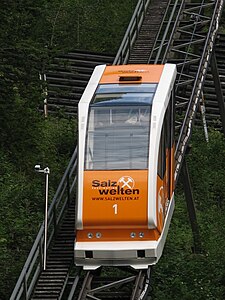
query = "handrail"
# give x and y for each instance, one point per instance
(66, 188)
(33, 265)
(131, 34)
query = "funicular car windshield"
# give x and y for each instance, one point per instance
(119, 127)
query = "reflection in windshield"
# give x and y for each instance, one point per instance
(124, 98)
(127, 88)
(118, 137)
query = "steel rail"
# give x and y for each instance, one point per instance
(162, 46)
(165, 49)
(33, 265)
(167, 30)
(138, 281)
(34, 262)
(157, 39)
(26, 281)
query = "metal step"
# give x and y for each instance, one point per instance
(148, 32)
(53, 280)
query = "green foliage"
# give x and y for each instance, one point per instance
(22, 191)
(210, 188)
(55, 144)
(181, 274)
(93, 25)
(31, 33)
(20, 212)
(113, 16)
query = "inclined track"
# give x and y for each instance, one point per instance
(134, 285)
(148, 32)
(52, 282)
(177, 31)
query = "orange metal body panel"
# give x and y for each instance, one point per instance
(115, 199)
(149, 73)
(160, 203)
(163, 193)
(115, 202)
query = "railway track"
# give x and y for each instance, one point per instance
(179, 27)
(127, 286)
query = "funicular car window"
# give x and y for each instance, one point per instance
(118, 127)
(126, 88)
(118, 138)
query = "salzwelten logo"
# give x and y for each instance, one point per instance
(124, 186)
(126, 182)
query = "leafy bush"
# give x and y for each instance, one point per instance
(22, 192)
(181, 274)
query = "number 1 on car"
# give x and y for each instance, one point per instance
(115, 206)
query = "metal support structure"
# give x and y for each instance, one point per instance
(45, 94)
(191, 208)
(203, 110)
(68, 189)
(46, 171)
(135, 285)
(33, 266)
(74, 285)
(219, 92)
(191, 36)
(206, 41)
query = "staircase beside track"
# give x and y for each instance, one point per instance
(52, 281)
(66, 81)
(148, 32)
